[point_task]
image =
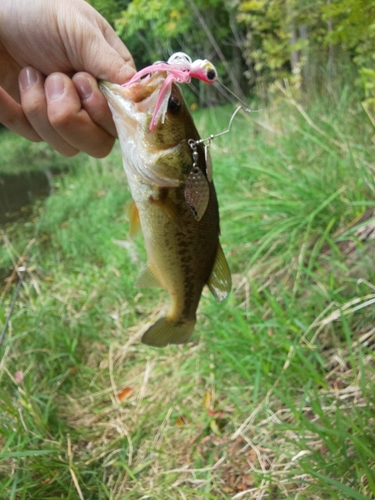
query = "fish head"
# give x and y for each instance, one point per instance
(161, 156)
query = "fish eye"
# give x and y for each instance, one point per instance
(174, 105)
(211, 74)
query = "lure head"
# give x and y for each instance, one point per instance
(179, 68)
(203, 70)
(180, 60)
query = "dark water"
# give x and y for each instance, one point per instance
(17, 192)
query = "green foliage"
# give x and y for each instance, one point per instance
(265, 47)
(164, 26)
(110, 9)
(168, 20)
(153, 23)
(354, 30)
(260, 41)
(352, 20)
(165, 19)
(368, 78)
(284, 35)
(153, 30)
(270, 28)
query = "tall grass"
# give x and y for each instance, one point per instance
(274, 396)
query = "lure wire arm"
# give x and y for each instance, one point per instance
(213, 136)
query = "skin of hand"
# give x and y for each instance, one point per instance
(51, 54)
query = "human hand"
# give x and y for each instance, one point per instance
(51, 54)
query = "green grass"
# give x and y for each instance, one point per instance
(273, 398)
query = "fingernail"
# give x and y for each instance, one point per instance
(54, 86)
(28, 78)
(84, 87)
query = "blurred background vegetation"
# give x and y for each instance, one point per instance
(255, 42)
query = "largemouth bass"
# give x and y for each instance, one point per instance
(169, 176)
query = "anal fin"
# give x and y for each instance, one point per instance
(147, 279)
(220, 281)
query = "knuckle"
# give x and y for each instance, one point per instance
(33, 107)
(60, 118)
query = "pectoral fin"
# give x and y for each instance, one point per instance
(220, 281)
(147, 279)
(170, 210)
(134, 220)
(197, 192)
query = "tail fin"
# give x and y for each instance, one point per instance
(165, 331)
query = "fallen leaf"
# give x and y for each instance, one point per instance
(124, 394)
(181, 420)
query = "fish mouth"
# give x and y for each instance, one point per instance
(136, 101)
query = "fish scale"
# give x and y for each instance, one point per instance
(178, 214)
